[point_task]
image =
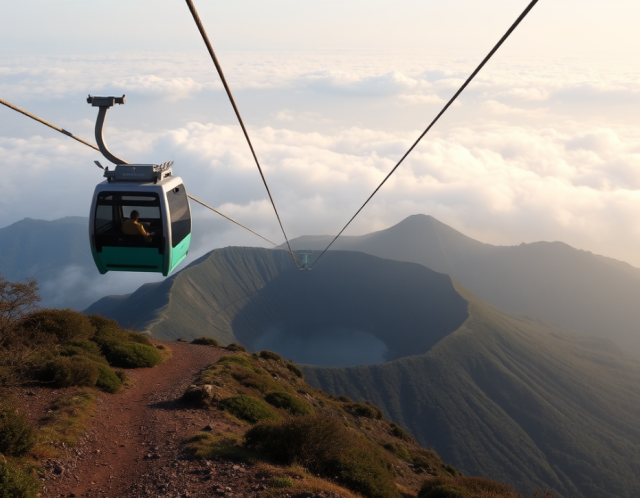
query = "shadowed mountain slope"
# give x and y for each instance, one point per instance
(516, 400)
(571, 288)
(375, 309)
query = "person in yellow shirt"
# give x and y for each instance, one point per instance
(133, 227)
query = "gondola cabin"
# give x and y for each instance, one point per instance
(162, 206)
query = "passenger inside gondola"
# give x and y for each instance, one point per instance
(133, 226)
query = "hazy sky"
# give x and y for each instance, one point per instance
(544, 145)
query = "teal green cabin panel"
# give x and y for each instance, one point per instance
(179, 252)
(143, 259)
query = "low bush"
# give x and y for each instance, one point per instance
(108, 380)
(133, 355)
(280, 482)
(295, 370)
(17, 436)
(236, 347)
(399, 432)
(426, 459)
(326, 447)
(259, 381)
(86, 346)
(139, 338)
(270, 355)
(181, 340)
(248, 408)
(222, 445)
(15, 483)
(366, 410)
(445, 491)
(68, 372)
(399, 450)
(124, 378)
(289, 402)
(345, 399)
(238, 360)
(206, 341)
(67, 325)
(465, 487)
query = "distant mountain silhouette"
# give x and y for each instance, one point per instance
(497, 395)
(49, 251)
(552, 281)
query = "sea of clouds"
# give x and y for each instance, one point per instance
(536, 148)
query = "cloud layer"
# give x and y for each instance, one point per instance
(534, 151)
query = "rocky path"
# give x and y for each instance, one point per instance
(134, 444)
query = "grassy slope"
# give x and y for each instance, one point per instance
(515, 400)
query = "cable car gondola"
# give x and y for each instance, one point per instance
(146, 196)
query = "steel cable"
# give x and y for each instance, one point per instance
(89, 144)
(216, 63)
(444, 109)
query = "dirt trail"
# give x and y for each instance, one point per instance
(138, 431)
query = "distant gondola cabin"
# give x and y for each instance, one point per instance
(163, 207)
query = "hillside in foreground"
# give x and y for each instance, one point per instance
(496, 395)
(189, 420)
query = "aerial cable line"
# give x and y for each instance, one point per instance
(40, 120)
(444, 109)
(216, 63)
(89, 144)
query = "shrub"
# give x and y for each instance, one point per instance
(108, 380)
(399, 450)
(86, 346)
(326, 447)
(67, 325)
(139, 338)
(426, 459)
(280, 482)
(290, 403)
(445, 491)
(238, 360)
(75, 351)
(248, 408)
(17, 436)
(345, 399)
(68, 372)
(16, 483)
(206, 341)
(134, 355)
(236, 347)
(366, 410)
(221, 445)
(261, 382)
(397, 431)
(108, 333)
(464, 487)
(270, 355)
(295, 370)
(182, 340)
(124, 378)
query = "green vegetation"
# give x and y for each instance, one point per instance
(248, 408)
(108, 380)
(17, 436)
(67, 372)
(280, 482)
(67, 325)
(465, 487)
(65, 423)
(236, 347)
(221, 445)
(289, 402)
(206, 341)
(325, 446)
(270, 355)
(134, 355)
(15, 483)
(366, 410)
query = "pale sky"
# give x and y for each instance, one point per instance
(544, 145)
